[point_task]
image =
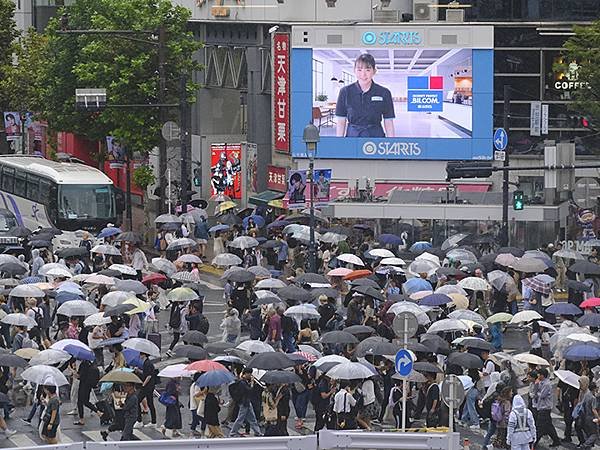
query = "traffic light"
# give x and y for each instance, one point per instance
(518, 202)
(468, 169)
(198, 177)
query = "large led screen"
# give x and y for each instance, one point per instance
(394, 103)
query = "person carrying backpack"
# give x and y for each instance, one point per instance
(500, 412)
(521, 432)
(88, 375)
(175, 323)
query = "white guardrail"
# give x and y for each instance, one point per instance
(73, 446)
(330, 439)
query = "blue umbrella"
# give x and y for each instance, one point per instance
(589, 320)
(564, 309)
(64, 296)
(215, 378)
(389, 239)
(108, 232)
(435, 300)
(261, 239)
(420, 247)
(415, 285)
(585, 351)
(278, 224)
(258, 220)
(132, 358)
(31, 280)
(79, 352)
(217, 228)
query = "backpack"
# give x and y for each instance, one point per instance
(27, 342)
(236, 391)
(204, 324)
(288, 325)
(39, 316)
(486, 407)
(175, 318)
(497, 411)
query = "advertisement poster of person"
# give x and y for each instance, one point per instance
(116, 152)
(297, 191)
(321, 188)
(225, 170)
(12, 125)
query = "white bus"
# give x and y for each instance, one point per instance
(67, 196)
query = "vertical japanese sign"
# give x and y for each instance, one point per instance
(535, 119)
(225, 168)
(281, 92)
(277, 178)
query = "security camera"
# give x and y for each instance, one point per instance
(273, 29)
(375, 6)
(330, 3)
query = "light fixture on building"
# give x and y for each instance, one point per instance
(330, 3)
(333, 79)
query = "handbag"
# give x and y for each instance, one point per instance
(166, 399)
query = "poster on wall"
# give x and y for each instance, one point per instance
(321, 187)
(12, 126)
(296, 193)
(116, 152)
(225, 170)
(299, 189)
(249, 170)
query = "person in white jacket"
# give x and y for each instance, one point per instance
(521, 432)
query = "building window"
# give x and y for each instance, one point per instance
(318, 85)
(347, 78)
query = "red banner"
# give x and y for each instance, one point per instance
(225, 168)
(281, 91)
(383, 189)
(277, 178)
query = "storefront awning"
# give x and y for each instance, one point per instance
(265, 197)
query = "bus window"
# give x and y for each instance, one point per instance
(86, 202)
(8, 179)
(44, 191)
(33, 188)
(20, 183)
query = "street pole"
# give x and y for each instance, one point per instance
(128, 193)
(162, 117)
(505, 183)
(312, 251)
(404, 383)
(183, 139)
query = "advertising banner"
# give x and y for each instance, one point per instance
(225, 168)
(277, 178)
(116, 153)
(321, 188)
(296, 193)
(281, 92)
(12, 126)
(300, 191)
(249, 169)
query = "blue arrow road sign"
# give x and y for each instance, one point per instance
(404, 363)
(500, 139)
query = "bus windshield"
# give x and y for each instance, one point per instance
(86, 201)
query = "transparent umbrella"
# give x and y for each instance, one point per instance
(44, 375)
(77, 308)
(226, 259)
(164, 265)
(244, 242)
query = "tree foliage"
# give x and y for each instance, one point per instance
(126, 65)
(8, 33)
(583, 49)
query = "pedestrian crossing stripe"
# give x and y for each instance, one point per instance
(22, 440)
(95, 435)
(141, 436)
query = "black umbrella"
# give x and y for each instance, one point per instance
(219, 348)
(359, 329)
(40, 244)
(365, 282)
(194, 337)
(518, 252)
(297, 358)
(419, 348)
(294, 293)
(199, 203)
(589, 320)
(271, 244)
(471, 268)
(118, 310)
(578, 286)
(367, 344)
(436, 344)
(338, 337)
(280, 377)
(488, 261)
(12, 268)
(41, 237)
(369, 291)
(428, 367)
(327, 366)
(191, 352)
(129, 236)
(72, 252)
(311, 278)
(111, 273)
(382, 348)
(477, 343)
(466, 360)
(20, 232)
(448, 271)
(52, 231)
(230, 219)
(585, 267)
(270, 361)
(328, 292)
(11, 360)
(241, 276)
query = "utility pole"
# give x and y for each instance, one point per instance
(183, 141)
(505, 179)
(162, 117)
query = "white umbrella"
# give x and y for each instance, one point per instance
(60, 345)
(243, 242)
(270, 283)
(475, 284)
(466, 314)
(421, 266)
(226, 259)
(115, 298)
(106, 249)
(309, 349)
(528, 358)
(124, 269)
(100, 280)
(568, 377)
(568, 254)
(381, 253)
(295, 228)
(393, 262)
(181, 243)
(185, 277)
(547, 325)
(46, 267)
(79, 308)
(351, 259)
(526, 316)
(164, 265)
(167, 218)
(349, 371)
(27, 290)
(80, 278)
(268, 294)
(453, 241)
(59, 272)
(50, 357)
(253, 346)
(330, 359)
(447, 325)
(44, 375)
(175, 371)
(448, 289)
(182, 294)
(399, 307)
(333, 238)
(300, 312)
(96, 319)
(19, 320)
(259, 271)
(143, 346)
(189, 258)
(429, 257)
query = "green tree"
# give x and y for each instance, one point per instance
(582, 63)
(8, 33)
(126, 65)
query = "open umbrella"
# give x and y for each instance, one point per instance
(79, 352)
(27, 353)
(77, 308)
(369, 291)
(60, 345)
(339, 272)
(381, 253)
(12, 360)
(540, 283)
(260, 272)
(118, 310)
(526, 316)
(568, 377)
(416, 285)
(175, 371)
(205, 365)
(215, 378)
(270, 283)
(333, 238)
(115, 298)
(564, 309)
(72, 252)
(474, 284)
(185, 277)
(475, 343)
(226, 259)
(108, 232)
(27, 290)
(420, 247)
(143, 346)
(44, 375)
(467, 314)
(266, 297)
(578, 286)
(164, 265)
(194, 337)
(254, 346)
(309, 278)
(529, 265)
(499, 318)
(243, 242)
(466, 360)
(349, 371)
(427, 367)
(338, 337)
(191, 352)
(446, 325)
(182, 294)
(241, 276)
(528, 358)
(435, 300)
(119, 377)
(303, 311)
(351, 259)
(590, 303)
(402, 306)
(135, 286)
(50, 357)
(129, 236)
(107, 250)
(293, 293)
(359, 329)
(19, 320)
(589, 320)
(453, 241)
(280, 377)
(270, 361)
(189, 258)
(586, 351)
(419, 266)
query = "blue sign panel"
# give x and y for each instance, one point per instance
(500, 139)
(404, 363)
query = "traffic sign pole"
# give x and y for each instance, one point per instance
(404, 383)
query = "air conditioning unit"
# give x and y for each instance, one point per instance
(386, 16)
(425, 10)
(455, 15)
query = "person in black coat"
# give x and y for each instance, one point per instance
(147, 390)
(130, 413)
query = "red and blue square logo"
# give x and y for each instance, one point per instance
(425, 94)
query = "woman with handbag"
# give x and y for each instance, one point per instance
(170, 398)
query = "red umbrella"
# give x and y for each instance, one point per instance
(154, 278)
(356, 274)
(590, 303)
(205, 365)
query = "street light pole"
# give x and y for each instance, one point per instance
(504, 237)
(183, 141)
(311, 137)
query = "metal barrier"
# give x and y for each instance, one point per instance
(329, 439)
(262, 443)
(73, 446)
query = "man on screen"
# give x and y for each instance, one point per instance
(362, 105)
